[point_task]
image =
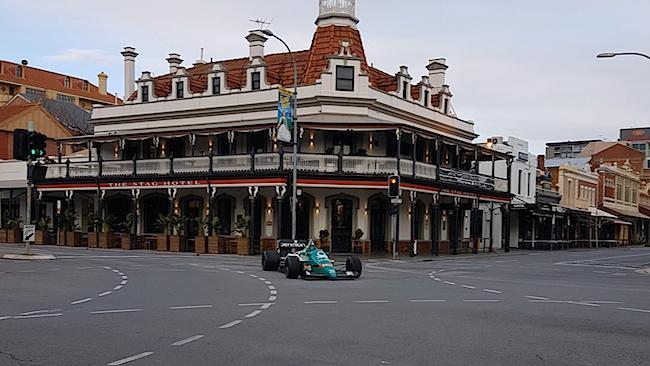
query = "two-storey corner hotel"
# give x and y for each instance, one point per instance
(201, 141)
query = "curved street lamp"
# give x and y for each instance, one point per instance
(294, 196)
(614, 54)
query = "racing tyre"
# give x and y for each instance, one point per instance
(353, 264)
(270, 261)
(292, 267)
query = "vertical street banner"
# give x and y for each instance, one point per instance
(285, 114)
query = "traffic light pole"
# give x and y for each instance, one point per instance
(28, 213)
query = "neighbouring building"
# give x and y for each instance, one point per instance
(201, 142)
(602, 152)
(566, 149)
(37, 83)
(639, 139)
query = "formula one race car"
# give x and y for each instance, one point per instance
(304, 259)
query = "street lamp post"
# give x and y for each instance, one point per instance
(614, 54)
(294, 196)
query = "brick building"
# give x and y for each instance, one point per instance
(602, 152)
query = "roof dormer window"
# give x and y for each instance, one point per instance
(427, 98)
(345, 78)
(145, 93)
(216, 85)
(19, 71)
(85, 86)
(66, 82)
(180, 89)
(256, 80)
(405, 86)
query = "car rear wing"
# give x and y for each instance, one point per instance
(291, 246)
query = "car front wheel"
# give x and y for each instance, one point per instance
(292, 267)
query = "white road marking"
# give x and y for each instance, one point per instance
(41, 312)
(253, 304)
(601, 272)
(427, 301)
(268, 282)
(81, 301)
(273, 292)
(437, 279)
(469, 287)
(273, 298)
(109, 268)
(261, 279)
(37, 316)
(537, 298)
(481, 300)
(105, 293)
(371, 301)
(254, 276)
(636, 310)
(117, 287)
(271, 287)
(492, 291)
(53, 269)
(28, 271)
(266, 306)
(254, 314)
(450, 283)
(320, 302)
(240, 272)
(187, 340)
(602, 302)
(4, 317)
(230, 325)
(117, 311)
(619, 274)
(129, 359)
(124, 282)
(115, 270)
(188, 307)
(125, 277)
(582, 303)
(548, 301)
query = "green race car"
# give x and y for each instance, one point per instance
(304, 259)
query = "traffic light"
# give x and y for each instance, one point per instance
(37, 145)
(393, 186)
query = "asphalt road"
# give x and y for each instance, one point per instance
(94, 307)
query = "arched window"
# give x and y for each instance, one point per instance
(418, 217)
(224, 209)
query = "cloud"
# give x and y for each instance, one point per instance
(83, 55)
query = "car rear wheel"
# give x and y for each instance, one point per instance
(270, 261)
(353, 264)
(292, 267)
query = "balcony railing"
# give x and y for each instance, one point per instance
(272, 162)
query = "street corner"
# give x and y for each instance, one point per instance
(28, 257)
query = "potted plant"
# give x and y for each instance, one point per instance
(125, 237)
(12, 228)
(171, 237)
(106, 237)
(242, 229)
(163, 225)
(42, 236)
(176, 239)
(358, 248)
(94, 224)
(201, 240)
(323, 237)
(68, 234)
(215, 244)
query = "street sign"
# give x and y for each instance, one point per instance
(29, 231)
(285, 115)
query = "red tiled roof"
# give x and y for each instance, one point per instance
(311, 63)
(44, 79)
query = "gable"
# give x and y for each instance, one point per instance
(42, 122)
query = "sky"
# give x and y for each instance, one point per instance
(520, 68)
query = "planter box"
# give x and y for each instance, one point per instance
(201, 245)
(161, 243)
(71, 238)
(125, 241)
(175, 242)
(107, 240)
(216, 245)
(93, 240)
(14, 236)
(242, 246)
(42, 237)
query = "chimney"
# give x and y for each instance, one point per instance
(102, 83)
(129, 71)
(256, 40)
(175, 62)
(437, 72)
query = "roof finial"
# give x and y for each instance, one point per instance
(337, 12)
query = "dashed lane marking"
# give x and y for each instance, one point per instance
(239, 272)
(271, 287)
(469, 287)
(273, 292)
(253, 304)
(254, 314)
(119, 287)
(492, 291)
(81, 301)
(185, 341)
(4, 317)
(273, 298)
(371, 301)
(427, 301)
(230, 325)
(635, 310)
(450, 283)
(583, 303)
(266, 306)
(190, 307)
(38, 316)
(105, 293)
(537, 298)
(268, 282)
(481, 300)
(130, 359)
(116, 311)
(602, 302)
(320, 302)
(41, 312)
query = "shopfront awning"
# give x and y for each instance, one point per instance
(627, 214)
(600, 213)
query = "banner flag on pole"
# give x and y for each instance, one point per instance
(285, 114)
